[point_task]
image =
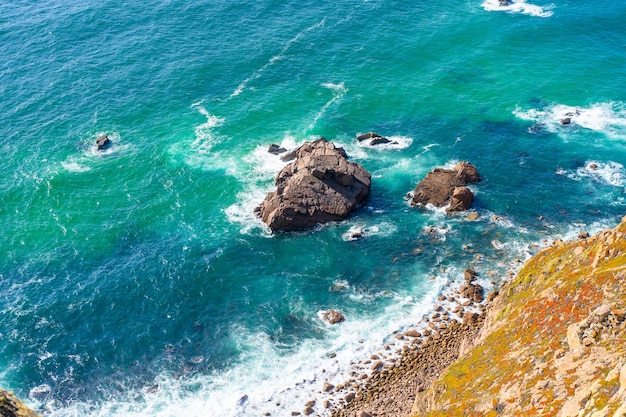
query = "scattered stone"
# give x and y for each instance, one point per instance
(308, 411)
(583, 235)
(350, 397)
(328, 387)
(363, 414)
(472, 217)
(412, 333)
(310, 404)
(566, 121)
(377, 365)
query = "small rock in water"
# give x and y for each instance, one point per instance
(333, 316)
(276, 150)
(102, 142)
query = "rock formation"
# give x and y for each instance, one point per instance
(11, 406)
(276, 149)
(447, 187)
(318, 187)
(374, 138)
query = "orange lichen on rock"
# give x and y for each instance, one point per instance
(554, 341)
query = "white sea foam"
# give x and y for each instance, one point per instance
(338, 90)
(607, 118)
(266, 379)
(609, 173)
(362, 230)
(281, 55)
(518, 6)
(90, 157)
(396, 142)
(199, 152)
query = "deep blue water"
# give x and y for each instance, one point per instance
(139, 282)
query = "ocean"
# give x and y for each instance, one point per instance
(137, 281)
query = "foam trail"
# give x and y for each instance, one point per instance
(205, 137)
(339, 90)
(518, 6)
(606, 118)
(257, 74)
(609, 173)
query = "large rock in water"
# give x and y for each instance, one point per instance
(318, 187)
(447, 187)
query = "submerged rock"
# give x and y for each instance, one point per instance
(320, 186)
(447, 187)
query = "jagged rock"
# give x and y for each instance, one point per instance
(379, 141)
(470, 275)
(473, 292)
(374, 138)
(11, 406)
(289, 156)
(443, 187)
(328, 387)
(333, 316)
(276, 149)
(566, 121)
(462, 198)
(103, 142)
(318, 187)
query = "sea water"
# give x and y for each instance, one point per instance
(137, 281)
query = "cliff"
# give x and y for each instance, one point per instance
(10, 406)
(553, 342)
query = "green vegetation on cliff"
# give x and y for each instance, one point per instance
(554, 343)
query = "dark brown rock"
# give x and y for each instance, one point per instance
(319, 186)
(443, 187)
(566, 121)
(367, 136)
(103, 142)
(276, 150)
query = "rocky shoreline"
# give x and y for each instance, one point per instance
(386, 383)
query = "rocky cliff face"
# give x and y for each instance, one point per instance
(554, 341)
(10, 406)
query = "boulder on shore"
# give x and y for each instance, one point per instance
(320, 186)
(447, 187)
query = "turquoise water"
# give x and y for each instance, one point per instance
(139, 282)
